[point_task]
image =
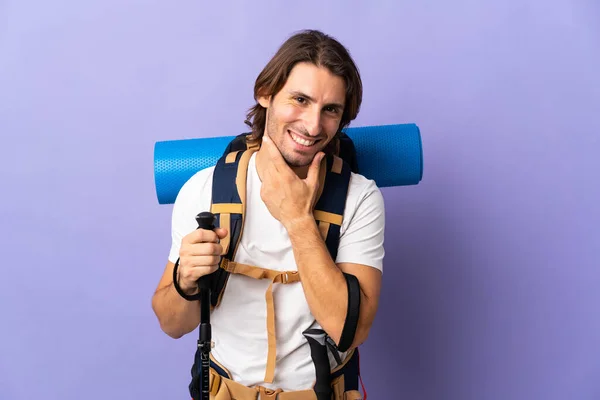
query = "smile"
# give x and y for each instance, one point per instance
(300, 140)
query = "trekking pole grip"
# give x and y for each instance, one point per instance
(206, 221)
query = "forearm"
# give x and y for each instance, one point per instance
(323, 282)
(176, 315)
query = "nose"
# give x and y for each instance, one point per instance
(312, 122)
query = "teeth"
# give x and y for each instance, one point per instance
(301, 141)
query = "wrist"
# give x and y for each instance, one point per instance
(190, 291)
(183, 292)
(300, 224)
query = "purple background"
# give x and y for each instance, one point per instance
(492, 272)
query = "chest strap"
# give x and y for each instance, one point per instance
(283, 277)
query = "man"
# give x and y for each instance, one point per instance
(305, 95)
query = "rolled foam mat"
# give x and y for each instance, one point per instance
(391, 155)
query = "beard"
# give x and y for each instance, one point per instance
(278, 132)
(292, 158)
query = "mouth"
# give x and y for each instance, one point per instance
(301, 140)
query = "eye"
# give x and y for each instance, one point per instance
(332, 110)
(300, 99)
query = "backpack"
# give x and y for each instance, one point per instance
(228, 207)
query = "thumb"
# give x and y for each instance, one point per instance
(313, 171)
(221, 232)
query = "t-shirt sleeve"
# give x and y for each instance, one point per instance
(193, 198)
(361, 242)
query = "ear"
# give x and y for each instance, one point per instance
(263, 100)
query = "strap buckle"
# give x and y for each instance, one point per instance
(288, 276)
(268, 394)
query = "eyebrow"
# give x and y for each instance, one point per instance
(301, 94)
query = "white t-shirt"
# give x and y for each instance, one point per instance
(239, 323)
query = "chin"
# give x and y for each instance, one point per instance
(298, 162)
(295, 155)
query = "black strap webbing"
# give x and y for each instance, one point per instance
(318, 351)
(352, 313)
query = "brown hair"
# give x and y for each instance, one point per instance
(306, 46)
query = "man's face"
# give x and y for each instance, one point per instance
(306, 113)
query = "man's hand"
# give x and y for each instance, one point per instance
(288, 197)
(199, 255)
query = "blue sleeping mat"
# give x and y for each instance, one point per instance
(391, 155)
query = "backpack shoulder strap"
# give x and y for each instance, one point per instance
(329, 209)
(228, 204)
(241, 142)
(346, 150)
(329, 212)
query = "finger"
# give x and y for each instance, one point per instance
(190, 262)
(273, 180)
(221, 232)
(202, 235)
(312, 177)
(198, 272)
(202, 249)
(193, 273)
(270, 175)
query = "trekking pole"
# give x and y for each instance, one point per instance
(205, 221)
